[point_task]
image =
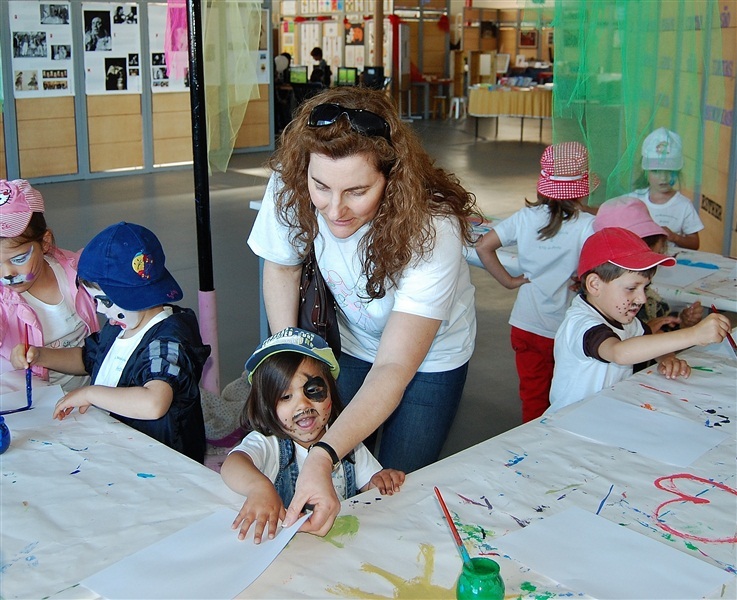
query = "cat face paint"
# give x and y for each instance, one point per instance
(116, 316)
(20, 266)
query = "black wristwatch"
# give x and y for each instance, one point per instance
(331, 452)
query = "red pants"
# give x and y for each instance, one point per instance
(534, 358)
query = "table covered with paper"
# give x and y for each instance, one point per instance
(628, 494)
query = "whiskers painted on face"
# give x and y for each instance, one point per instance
(17, 279)
(303, 414)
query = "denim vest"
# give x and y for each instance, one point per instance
(286, 479)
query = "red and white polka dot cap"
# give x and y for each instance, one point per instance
(564, 173)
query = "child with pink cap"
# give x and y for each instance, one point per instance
(601, 337)
(40, 303)
(631, 213)
(549, 234)
(662, 160)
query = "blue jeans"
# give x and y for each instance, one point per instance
(413, 436)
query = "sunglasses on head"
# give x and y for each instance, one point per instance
(362, 121)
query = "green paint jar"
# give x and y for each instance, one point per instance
(482, 583)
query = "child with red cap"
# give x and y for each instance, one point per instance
(549, 234)
(601, 338)
(39, 300)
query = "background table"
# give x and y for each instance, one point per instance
(535, 102)
(400, 546)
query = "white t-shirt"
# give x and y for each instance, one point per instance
(549, 264)
(61, 325)
(678, 214)
(117, 357)
(577, 376)
(264, 452)
(438, 287)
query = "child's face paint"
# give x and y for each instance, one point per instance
(20, 265)
(125, 319)
(304, 407)
(621, 299)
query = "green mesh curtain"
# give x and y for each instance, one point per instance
(626, 67)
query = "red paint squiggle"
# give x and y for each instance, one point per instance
(668, 484)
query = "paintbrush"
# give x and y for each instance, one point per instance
(459, 544)
(29, 375)
(729, 335)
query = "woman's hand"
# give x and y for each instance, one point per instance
(315, 488)
(262, 507)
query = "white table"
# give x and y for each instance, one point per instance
(400, 546)
(80, 494)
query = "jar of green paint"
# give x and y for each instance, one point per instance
(480, 581)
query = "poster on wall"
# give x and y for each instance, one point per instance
(112, 48)
(354, 45)
(42, 49)
(163, 79)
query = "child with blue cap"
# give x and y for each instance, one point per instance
(147, 360)
(293, 401)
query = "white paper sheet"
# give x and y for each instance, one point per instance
(681, 275)
(42, 406)
(203, 560)
(665, 438)
(604, 560)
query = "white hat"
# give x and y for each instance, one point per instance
(662, 150)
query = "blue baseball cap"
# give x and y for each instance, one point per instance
(293, 339)
(127, 262)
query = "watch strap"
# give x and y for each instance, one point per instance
(330, 450)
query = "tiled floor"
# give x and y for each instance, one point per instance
(501, 172)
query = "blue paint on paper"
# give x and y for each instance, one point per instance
(145, 475)
(701, 265)
(601, 504)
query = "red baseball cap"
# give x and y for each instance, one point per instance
(564, 172)
(620, 247)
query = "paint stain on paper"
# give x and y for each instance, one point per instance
(420, 587)
(345, 528)
(145, 475)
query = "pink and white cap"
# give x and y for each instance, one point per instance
(18, 201)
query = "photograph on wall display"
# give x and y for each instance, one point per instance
(61, 52)
(133, 60)
(54, 14)
(116, 77)
(26, 81)
(41, 34)
(528, 39)
(29, 44)
(97, 36)
(125, 15)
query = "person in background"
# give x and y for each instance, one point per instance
(293, 401)
(630, 213)
(601, 338)
(662, 160)
(549, 234)
(389, 230)
(321, 71)
(147, 360)
(39, 300)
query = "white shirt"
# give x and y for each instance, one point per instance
(117, 357)
(577, 376)
(264, 452)
(61, 325)
(438, 287)
(549, 264)
(678, 214)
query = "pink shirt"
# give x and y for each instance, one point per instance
(16, 313)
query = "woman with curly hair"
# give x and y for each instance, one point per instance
(388, 229)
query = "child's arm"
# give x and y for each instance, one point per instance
(148, 402)
(486, 249)
(63, 360)
(713, 328)
(263, 505)
(690, 241)
(387, 481)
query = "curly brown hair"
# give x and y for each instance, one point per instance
(416, 190)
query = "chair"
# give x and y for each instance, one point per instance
(439, 102)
